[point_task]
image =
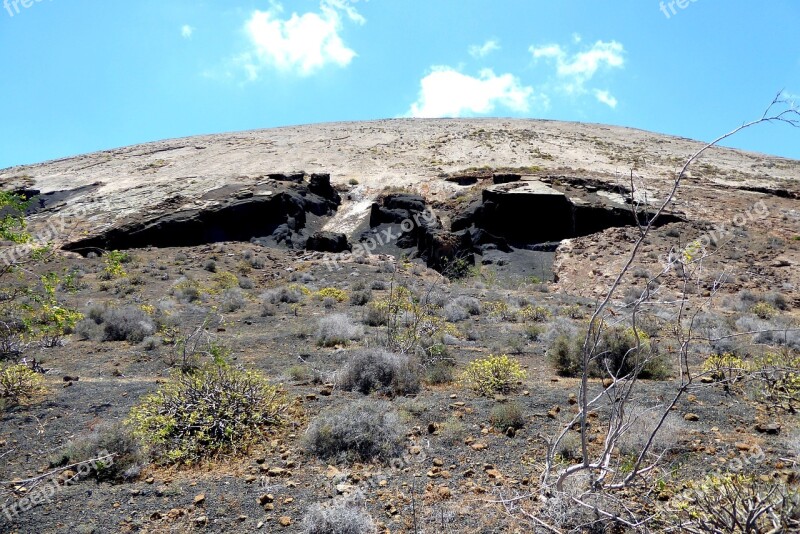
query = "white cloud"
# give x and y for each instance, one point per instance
(301, 44)
(445, 92)
(481, 51)
(187, 31)
(606, 98)
(582, 66)
(575, 71)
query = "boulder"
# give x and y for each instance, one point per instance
(328, 242)
(320, 184)
(404, 201)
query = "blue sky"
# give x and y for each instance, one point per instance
(79, 76)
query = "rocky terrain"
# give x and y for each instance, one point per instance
(500, 235)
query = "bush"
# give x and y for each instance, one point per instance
(641, 424)
(334, 293)
(739, 503)
(376, 315)
(371, 370)
(779, 376)
(232, 300)
(536, 314)
(763, 310)
(187, 290)
(88, 329)
(113, 438)
(360, 297)
(471, 304)
(616, 351)
(18, 381)
(224, 280)
(360, 431)
(337, 329)
(214, 410)
(290, 295)
(128, 323)
(454, 313)
(210, 266)
(494, 374)
(439, 372)
(507, 415)
(339, 518)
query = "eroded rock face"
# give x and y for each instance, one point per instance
(266, 213)
(527, 213)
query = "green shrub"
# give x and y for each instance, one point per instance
(361, 431)
(507, 415)
(764, 310)
(337, 294)
(617, 352)
(536, 314)
(18, 381)
(494, 374)
(214, 410)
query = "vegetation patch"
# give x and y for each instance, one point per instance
(214, 410)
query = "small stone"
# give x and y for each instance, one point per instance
(438, 462)
(285, 520)
(493, 473)
(691, 417)
(200, 499)
(344, 489)
(277, 472)
(479, 446)
(288, 500)
(769, 428)
(573, 399)
(201, 521)
(265, 498)
(511, 432)
(331, 472)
